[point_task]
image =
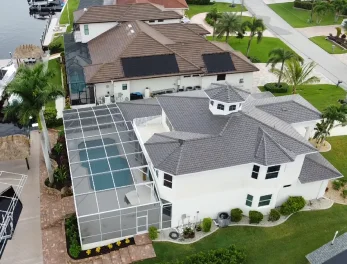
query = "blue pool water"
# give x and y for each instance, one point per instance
(104, 180)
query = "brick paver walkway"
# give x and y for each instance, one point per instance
(54, 210)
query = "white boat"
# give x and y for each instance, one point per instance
(7, 74)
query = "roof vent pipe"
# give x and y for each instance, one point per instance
(85, 9)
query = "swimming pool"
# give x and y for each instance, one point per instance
(107, 169)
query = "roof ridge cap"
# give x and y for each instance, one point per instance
(298, 96)
(165, 158)
(179, 159)
(261, 140)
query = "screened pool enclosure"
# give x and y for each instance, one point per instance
(115, 196)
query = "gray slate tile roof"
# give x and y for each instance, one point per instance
(139, 108)
(226, 93)
(327, 252)
(317, 168)
(290, 108)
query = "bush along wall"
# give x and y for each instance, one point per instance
(206, 224)
(198, 2)
(229, 255)
(273, 88)
(303, 4)
(292, 205)
(255, 217)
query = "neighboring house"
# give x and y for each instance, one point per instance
(224, 148)
(180, 6)
(334, 252)
(136, 57)
(95, 20)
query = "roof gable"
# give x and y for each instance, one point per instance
(226, 93)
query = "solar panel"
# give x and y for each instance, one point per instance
(150, 65)
(218, 62)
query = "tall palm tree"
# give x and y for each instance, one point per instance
(321, 9)
(214, 15)
(228, 24)
(296, 74)
(256, 27)
(335, 113)
(280, 55)
(33, 89)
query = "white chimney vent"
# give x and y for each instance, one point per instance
(130, 26)
(85, 9)
(132, 31)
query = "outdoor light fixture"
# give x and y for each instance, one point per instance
(338, 83)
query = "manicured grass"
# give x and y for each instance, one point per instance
(64, 18)
(338, 154)
(289, 242)
(327, 45)
(298, 18)
(54, 66)
(221, 7)
(319, 95)
(258, 50)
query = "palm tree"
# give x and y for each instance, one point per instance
(228, 24)
(321, 9)
(33, 89)
(339, 6)
(279, 55)
(214, 16)
(296, 74)
(335, 113)
(256, 28)
(322, 132)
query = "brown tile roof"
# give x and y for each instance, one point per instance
(138, 39)
(122, 13)
(165, 3)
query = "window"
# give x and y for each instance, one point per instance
(249, 200)
(168, 180)
(220, 77)
(241, 80)
(196, 75)
(186, 76)
(124, 86)
(160, 20)
(272, 172)
(288, 185)
(264, 200)
(151, 21)
(220, 107)
(212, 102)
(232, 108)
(86, 30)
(255, 171)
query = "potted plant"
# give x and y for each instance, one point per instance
(198, 228)
(188, 233)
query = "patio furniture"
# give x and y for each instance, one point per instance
(189, 88)
(197, 87)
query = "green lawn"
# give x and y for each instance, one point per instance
(260, 50)
(54, 66)
(298, 18)
(221, 7)
(64, 18)
(338, 154)
(287, 243)
(319, 95)
(327, 45)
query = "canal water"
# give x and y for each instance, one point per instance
(17, 26)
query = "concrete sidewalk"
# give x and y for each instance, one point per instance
(26, 245)
(328, 65)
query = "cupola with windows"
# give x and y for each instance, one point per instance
(225, 99)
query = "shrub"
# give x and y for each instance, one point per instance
(255, 217)
(50, 115)
(198, 2)
(75, 249)
(273, 88)
(337, 184)
(56, 46)
(274, 215)
(338, 32)
(153, 232)
(292, 205)
(229, 255)
(344, 194)
(236, 215)
(343, 36)
(254, 59)
(303, 4)
(60, 174)
(206, 224)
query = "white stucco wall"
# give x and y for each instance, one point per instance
(231, 79)
(95, 30)
(211, 192)
(165, 21)
(302, 128)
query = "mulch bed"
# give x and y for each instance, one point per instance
(103, 250)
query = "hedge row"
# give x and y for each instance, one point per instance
(273, 88)
(229, 255)
(303, 4)
(198, 2)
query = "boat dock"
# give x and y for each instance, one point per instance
(52, 28)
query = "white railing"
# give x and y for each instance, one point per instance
(144, 120)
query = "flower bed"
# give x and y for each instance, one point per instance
(342, 42)
(73, 246)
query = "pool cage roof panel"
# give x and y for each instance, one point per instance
(108, 169)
